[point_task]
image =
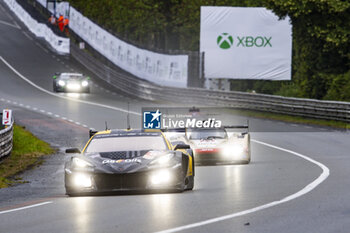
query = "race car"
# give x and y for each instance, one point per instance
(129, 160)
(216, 145)
(71, 82)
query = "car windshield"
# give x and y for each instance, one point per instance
(206, 134)
(134, 143)
(73, 77)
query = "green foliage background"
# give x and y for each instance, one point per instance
(321, 37)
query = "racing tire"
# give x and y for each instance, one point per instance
(54, 88)
(247, 161)
(73, 195)
(70, 193)
(190, 184)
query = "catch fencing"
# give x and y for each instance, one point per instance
(60, 44)
(138, 88)
(6, 139)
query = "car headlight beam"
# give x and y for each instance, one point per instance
(74, 86)
(84, 83)
(161, 177)
(82, 180)
(233, 150)
(61, 83)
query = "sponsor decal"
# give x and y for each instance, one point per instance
(112, 161)
(207, 150)
(6, 117)
(226, 41)
(152, 120)
(192, 123)
(249, 41)
(204, 142)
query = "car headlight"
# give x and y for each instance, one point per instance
(232, 150)
(161, 177)
(163, 160)
(61, 83)
(82, 180)
(84, 83)
(80, 163)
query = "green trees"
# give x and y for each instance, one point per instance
(165, 25)
(321, 45)
(321, 37)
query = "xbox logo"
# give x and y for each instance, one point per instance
(225, 41)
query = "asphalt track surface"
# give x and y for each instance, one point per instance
(298, 180)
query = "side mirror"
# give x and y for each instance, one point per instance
(182, 147)
(73, 151)
(92, 133)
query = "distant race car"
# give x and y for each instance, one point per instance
(71, 82)
(215, 145)
(122, 160)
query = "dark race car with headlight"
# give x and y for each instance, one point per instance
(71, 82)
(129, 160)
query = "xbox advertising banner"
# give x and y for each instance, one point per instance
(245, 43)
(162, 69)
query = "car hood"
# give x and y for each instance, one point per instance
(207, 143)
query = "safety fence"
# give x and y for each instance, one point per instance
(137, 88)
(6, 138)
(60, 44)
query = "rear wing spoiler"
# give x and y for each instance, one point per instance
(246, 126)
(193, 109)
(183, 130)
(174, 130)
(236, 126)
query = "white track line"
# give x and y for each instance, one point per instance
(9, 24)
(25, 207)
(305, 190)
(65, 97)
(49, 113)
(28, 36)
(8, 15)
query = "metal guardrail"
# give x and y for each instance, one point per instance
(138, 88)
(6, 139)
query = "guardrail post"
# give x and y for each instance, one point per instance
(6, 139)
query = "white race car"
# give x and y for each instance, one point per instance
(216, 145)
(71, 82)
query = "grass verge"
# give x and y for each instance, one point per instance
(294, 119)
(26, 152)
